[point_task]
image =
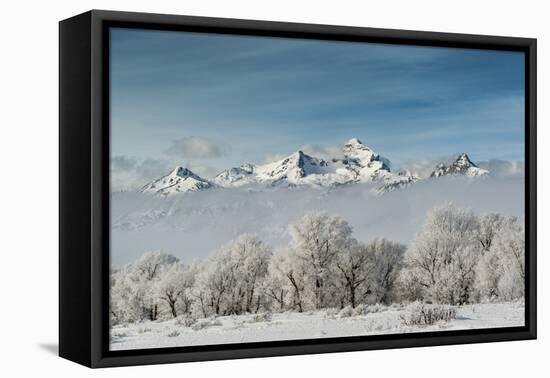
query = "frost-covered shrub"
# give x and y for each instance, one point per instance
(365, 309)
(427, 314)
(261, 317)
(371, 309)
(206, 323)
(120, 334)
(361, 309)
(331, 313)
(186, 320)
(174, 333)
(396, 306)
(200, 325)
(347, 312)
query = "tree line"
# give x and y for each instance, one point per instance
(457, 257)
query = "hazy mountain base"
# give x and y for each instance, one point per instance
(192, 225)
(308, 325)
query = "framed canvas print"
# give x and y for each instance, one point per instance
(234, 188)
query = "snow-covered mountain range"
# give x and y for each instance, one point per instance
(357, 163)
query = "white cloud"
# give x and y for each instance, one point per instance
(504, 168)
(123, 163)
(196, 147)
(128, 173)
(207, 219)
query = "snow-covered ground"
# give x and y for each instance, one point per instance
(307, 325)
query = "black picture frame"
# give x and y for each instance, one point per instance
(84, 187)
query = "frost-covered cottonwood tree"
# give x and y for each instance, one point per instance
(276, 286)
(133, 292)
(388, 260)
(173, 288)
(286, 282)
(317, 240)
(366, 273)
(230, 279)
(441, 260)
(500, 273)
(354, 273)
(252, 257)
(489, 226)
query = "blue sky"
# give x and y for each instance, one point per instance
(213, 101)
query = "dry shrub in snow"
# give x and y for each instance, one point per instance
(331, 313)
(361, 309)
(206, 323)
(427, 314)
(347, 312)
(120, 334)
(186, 320)
(371, 309)
(174, 333)
(261, 317)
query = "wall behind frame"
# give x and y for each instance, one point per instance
(29, 153)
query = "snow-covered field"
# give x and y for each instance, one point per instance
(307, 325)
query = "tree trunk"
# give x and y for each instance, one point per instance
(153, 312)
(258, 304)
(173, 308)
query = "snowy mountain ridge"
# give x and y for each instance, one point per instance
(357, 164)
(180, 180)
(462, 165)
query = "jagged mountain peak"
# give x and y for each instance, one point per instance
(182, 172)
(179, 180)
(301, 159)
(291, 169)
(362, 162)
(355, 149)
(464, 160)
(247, 167)
(461, 166)
(354, 142)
